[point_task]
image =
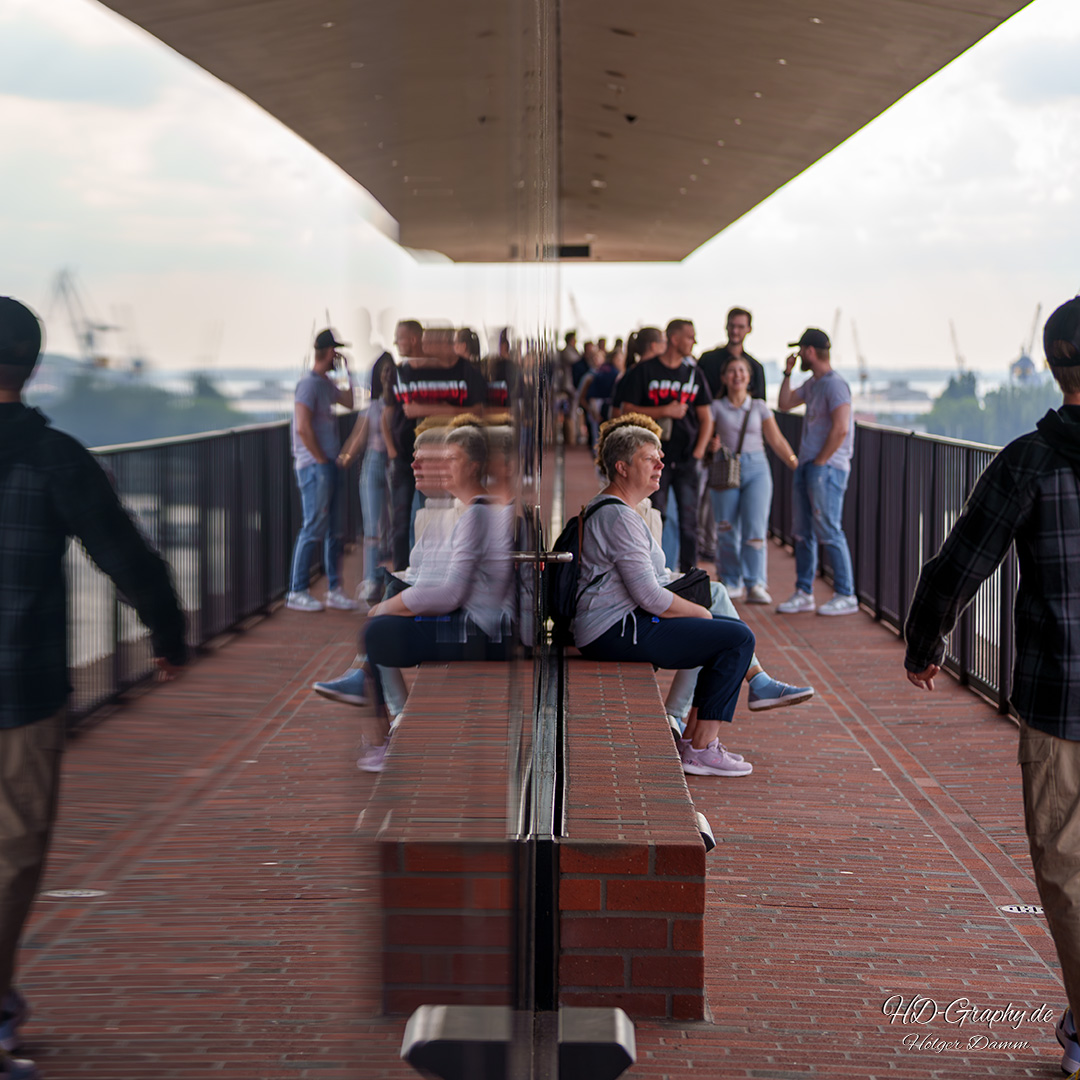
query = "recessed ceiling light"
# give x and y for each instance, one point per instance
(816, 21)
(757, 93)
(737, 122)
(719, 142)
(327, 25)
(356, 65)
(393, 164)
(704, 161)
(693, 176)
(682, 191)
(781, 62)
(597, 183)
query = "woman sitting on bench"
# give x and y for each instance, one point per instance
(626, 612)
(459, 606)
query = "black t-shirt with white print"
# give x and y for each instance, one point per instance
(652, 382)
(460, 385)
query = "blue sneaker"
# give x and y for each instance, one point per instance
(1066, 1035)
(771, 694)
(348, 688)
(14, 1012)
(13, 1068)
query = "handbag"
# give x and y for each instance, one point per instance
(725, 469)
(694, 586)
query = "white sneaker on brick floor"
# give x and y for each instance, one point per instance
(302, 601)
(839, 605)
(714, 760)
(758, 594)
(738, 593)
(796, 602)
(337, 600)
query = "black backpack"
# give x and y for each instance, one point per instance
(563, 588)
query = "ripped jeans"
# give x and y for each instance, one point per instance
(742, 523)
(818, 493)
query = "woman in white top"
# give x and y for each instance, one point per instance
(624, 611)
(459, 605)
(742, 513)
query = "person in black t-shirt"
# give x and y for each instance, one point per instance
(674, 393)
(714, 362)
(432, 380)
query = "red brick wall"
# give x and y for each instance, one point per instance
(632, 867)
(438, 818)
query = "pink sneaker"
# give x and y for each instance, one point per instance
(686, 744)
(373, 758)
(714, 760)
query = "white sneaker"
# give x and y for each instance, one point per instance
(758, 594)
(796, 602)
(337, 600)
(738, 593)
(302, 601)
(840, 605)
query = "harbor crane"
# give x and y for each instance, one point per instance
(85, 328)
(864, 374)
(956, 348)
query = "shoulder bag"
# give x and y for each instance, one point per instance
(725, 469)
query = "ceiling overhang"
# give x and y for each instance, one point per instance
(672, 120)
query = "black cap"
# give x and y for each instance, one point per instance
(1063, 325)
(20, 333)
(816, 339)
(327, 339)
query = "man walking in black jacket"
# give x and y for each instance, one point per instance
(50, 489)
(1030, 494)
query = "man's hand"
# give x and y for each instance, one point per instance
(675, 409)
(411, 410)
(166, 672)
(924, 679)
(789, 365)
(699, 454)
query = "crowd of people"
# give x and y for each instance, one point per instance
(440, 512)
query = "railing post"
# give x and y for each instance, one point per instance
(1005, 630)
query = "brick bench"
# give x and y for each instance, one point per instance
(438, 819)
(632, 862)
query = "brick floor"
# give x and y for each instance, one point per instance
(866, 856)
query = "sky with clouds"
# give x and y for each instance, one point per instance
(214, 236)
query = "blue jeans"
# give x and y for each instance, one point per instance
(373, 500)
(685, 479)
(742, 522)
(819, 504)
(681, 695)
(320, 498)
(720, 649)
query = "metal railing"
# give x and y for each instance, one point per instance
(905, 493)
(223, 509)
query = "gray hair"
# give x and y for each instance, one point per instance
(472, 441)
(621, 444)
(432, 436)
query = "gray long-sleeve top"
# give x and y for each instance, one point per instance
(622, 569)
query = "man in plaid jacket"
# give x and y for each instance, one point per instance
(1030, 494)
(50, 489)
